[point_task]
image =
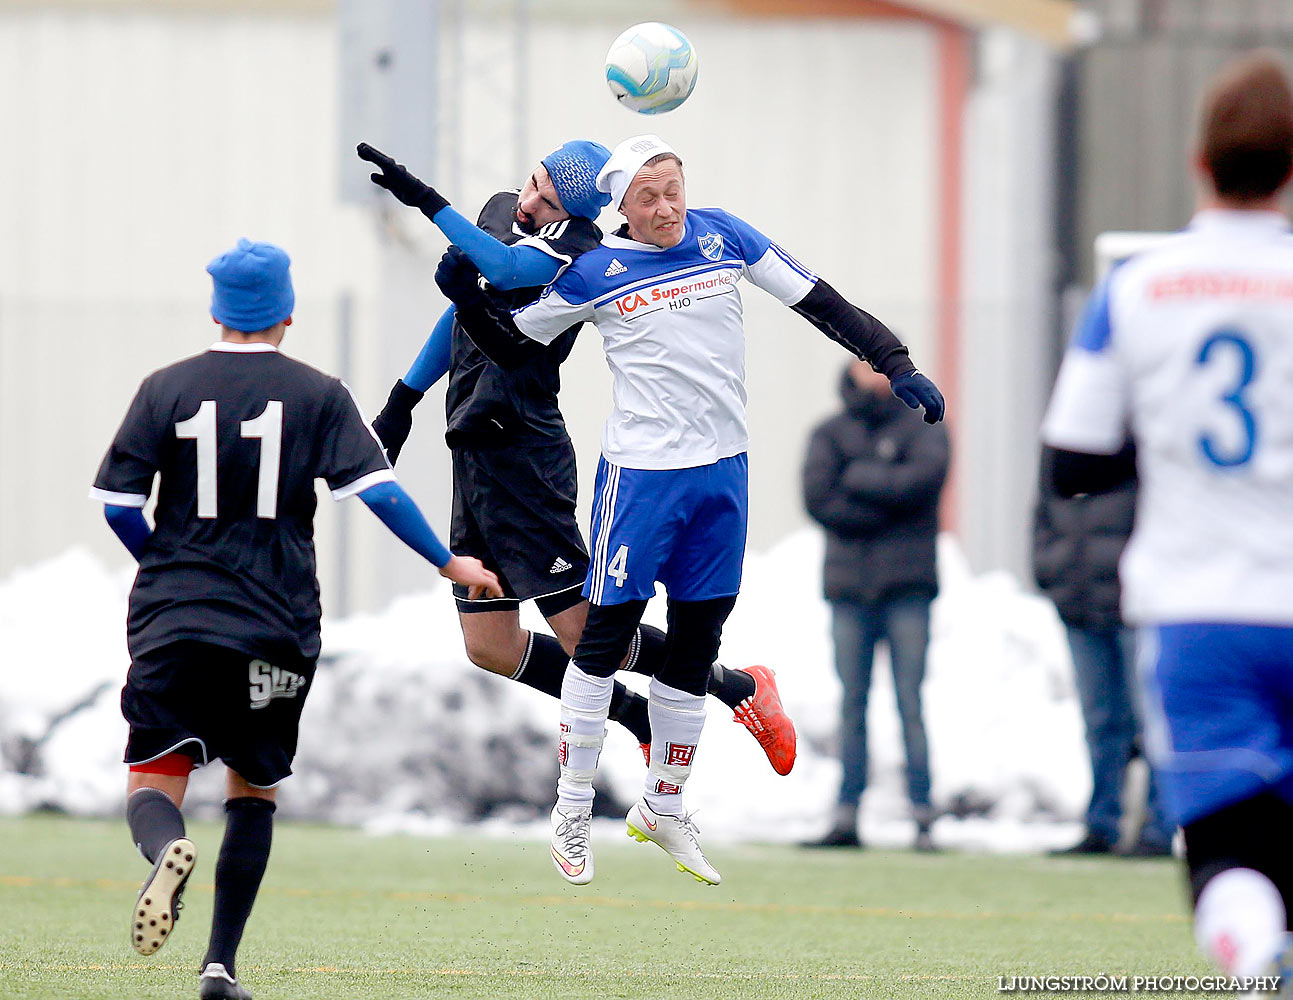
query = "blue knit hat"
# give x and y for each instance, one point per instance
(573, 168)
(253, 290)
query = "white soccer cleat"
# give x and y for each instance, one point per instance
(158, 905)
(677, 835)
(572, 849)
(217, 984)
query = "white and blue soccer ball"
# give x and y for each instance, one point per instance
(651, 68)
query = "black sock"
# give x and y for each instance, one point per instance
(544, 667)
(244, 853)
(154, 821)
(646, 654)
(731, 687)
(629, 709)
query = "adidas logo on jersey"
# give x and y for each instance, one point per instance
(615, 268)
(560, 566)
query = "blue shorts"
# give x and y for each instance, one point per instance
(683, 527)
(1218, 713)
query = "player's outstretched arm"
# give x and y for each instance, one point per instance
(487, 322)
(502, 265)
(130, 526)
(396, 509)
(874, 343)
(393, 425)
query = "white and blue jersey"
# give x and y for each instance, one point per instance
(1190, 347)
(670, 320)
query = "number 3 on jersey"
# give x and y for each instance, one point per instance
(618, 568)
(1232, 341)
(201, 427)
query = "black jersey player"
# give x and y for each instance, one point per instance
(223, 626)
(514, 476)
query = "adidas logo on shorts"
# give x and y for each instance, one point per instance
(560, 566)
(615, 268)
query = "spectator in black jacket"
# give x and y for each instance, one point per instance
(872, 479)
(1077, 542)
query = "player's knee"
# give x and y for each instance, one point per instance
(695, 630)
(607, 637)
(486, 656)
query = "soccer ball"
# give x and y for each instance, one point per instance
(651, 68)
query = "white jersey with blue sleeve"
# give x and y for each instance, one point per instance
(1189, 347)
(671, 327)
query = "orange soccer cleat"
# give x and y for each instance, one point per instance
(767, 721)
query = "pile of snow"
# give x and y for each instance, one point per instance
(402, 732)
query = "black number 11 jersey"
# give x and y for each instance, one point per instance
(237, 436)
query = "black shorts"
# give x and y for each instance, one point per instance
(210, 702)
(514, 510)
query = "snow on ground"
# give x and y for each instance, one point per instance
(402, 733)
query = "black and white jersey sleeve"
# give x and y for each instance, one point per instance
(348, 462)
(125, 476)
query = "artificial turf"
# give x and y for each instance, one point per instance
(346, 915)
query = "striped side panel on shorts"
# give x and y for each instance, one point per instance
(601, 544)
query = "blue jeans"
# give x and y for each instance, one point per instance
(903, 623)
(1104, 671)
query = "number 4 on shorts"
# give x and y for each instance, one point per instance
(618, 567)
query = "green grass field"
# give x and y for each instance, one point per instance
(344, 915)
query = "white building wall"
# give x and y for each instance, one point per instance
(155, 140)
(1007, 310)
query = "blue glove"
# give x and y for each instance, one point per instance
(916, 391)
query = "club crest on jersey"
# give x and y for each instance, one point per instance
(711, 245)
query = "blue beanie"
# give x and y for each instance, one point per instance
(574, 168)
(253, 290)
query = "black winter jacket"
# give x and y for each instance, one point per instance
(872, 478)
(1077, 543)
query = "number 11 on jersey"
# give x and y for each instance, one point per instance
(201, 427)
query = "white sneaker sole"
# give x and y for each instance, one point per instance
(153, 917)
(642, 837)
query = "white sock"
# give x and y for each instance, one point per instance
(676, 721)
(1239, 921)
(585, 703)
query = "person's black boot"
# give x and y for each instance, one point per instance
(1092, 843)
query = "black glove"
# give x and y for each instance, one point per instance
(393, 424)
(458, 277)
(916, 391)
(396, 179)
(486, 320)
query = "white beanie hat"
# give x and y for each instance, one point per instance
(625, 162)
